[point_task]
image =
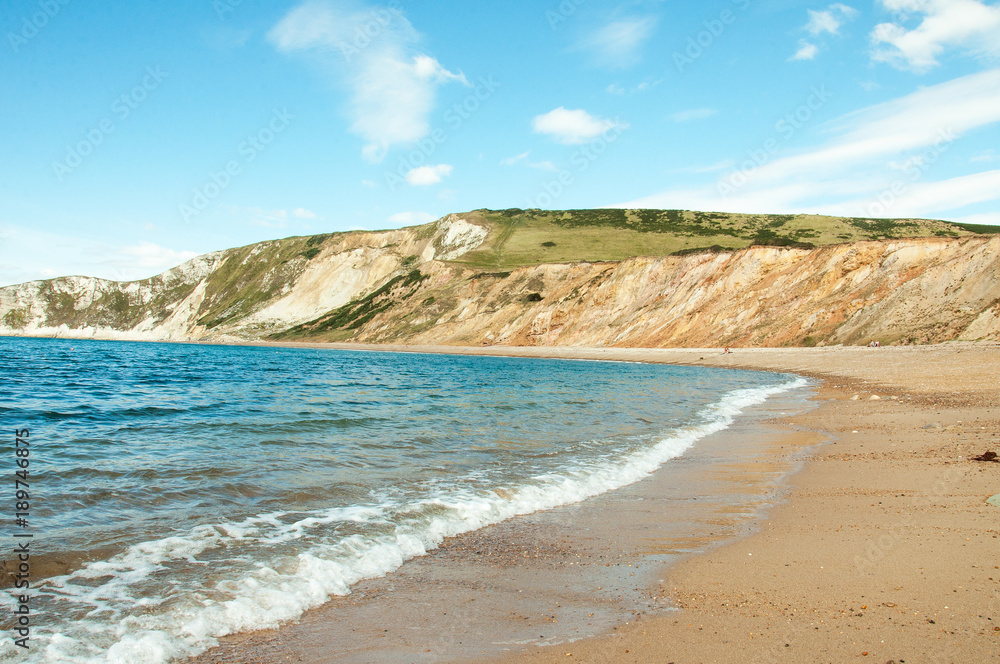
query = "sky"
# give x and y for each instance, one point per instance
(134, 136)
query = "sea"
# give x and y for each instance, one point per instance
(178, 493)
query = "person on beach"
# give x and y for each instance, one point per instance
(726, 352)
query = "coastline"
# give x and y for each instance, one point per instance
(552, 576)
(885, 549)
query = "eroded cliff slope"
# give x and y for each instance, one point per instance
(534, 278)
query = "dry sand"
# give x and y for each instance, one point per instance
(886, 550)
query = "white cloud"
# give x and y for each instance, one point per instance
(302, 213)
(645, 86)
(67, 255)
(369, 184)
(806, 51)
(540, 165)
(373, 50)
(985, 218)
(425, 176)
(912, 122)
(146, 257)
(853, 168)
(930, 198)
(830, 19)
(693, 114)
(510, 161)
(572, 127)
(411, 218)
(618, 43)
(969, 25)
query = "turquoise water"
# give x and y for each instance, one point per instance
(185, 492)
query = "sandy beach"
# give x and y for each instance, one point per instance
(882, 549)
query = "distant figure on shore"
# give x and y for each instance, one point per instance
(874, 344)
(726, 352)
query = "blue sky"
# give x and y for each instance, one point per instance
(137, 135)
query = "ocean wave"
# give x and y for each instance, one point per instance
(123, 612)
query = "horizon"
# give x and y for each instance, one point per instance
(144, 136)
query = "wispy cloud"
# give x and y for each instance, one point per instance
(855, 164)
(822, 22)
(969, 25)
(572, 126)
(933, 198)
(274, 218)
(830, 19)
(722, 165)
(987, 218)
(522, 159)
(619, 90)
(618, 44)
(67, 255)
(510, 161)
(392, 85)
(986, 156)
(411, 218)
(806, 51)
(544, 166)
(693, 114)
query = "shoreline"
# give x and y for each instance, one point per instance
(884, 546)
(543, 578)
(885, 549)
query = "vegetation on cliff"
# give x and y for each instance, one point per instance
(530, 237)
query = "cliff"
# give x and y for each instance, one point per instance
(606, 277)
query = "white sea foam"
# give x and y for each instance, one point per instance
(123, 627)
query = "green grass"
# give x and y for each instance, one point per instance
(528, 237)
(16, 318)
(979, 229)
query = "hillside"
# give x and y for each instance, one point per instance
(579, 277)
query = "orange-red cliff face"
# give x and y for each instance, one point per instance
(910, 291)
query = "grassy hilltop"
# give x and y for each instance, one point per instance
(529, 237)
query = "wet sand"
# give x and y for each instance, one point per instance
(885, 550)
